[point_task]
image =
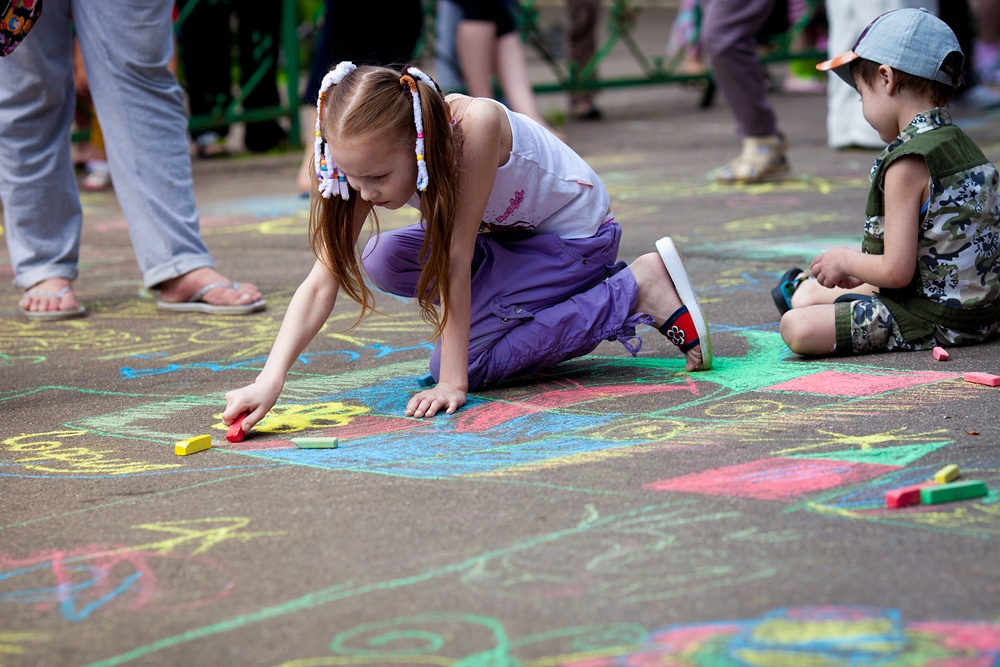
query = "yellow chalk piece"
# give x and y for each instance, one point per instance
(192, 445)
(949, 473)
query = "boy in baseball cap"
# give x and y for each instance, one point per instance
(927, 271)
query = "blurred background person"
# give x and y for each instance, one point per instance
(205, 40)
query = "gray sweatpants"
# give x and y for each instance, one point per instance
(729, 34)
(126, 46)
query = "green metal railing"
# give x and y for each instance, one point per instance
(622, 19)
(288, 52)
(621, 23)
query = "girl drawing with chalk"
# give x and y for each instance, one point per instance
(515, 260)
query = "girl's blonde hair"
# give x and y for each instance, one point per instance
(376, 103)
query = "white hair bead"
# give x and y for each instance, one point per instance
(332, 182)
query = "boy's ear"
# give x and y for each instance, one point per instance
(887, 78)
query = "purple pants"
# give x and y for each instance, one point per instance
(537, 299)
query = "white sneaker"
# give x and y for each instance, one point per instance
(98, 176)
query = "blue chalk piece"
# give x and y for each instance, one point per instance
(426, 381)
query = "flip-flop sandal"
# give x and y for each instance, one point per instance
(686, 328)
(196, 305)
(64, 314)
(782, 294)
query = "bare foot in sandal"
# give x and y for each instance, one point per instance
(659, 298)
(51, 299)
(208, 291)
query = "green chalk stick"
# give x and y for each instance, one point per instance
(942, 493)
(315, 443)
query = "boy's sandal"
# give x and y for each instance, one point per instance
(686, 328)
(62, 314)
(782, 294)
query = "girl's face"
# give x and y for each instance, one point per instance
(382, 171)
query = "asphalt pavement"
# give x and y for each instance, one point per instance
(609, 511)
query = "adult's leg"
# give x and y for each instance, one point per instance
(257, 37)
(446, 68)
(729, 29)
(205, 46)
(513, 76)
(41, 203)
(476, 45)
(582, 47)
(126, 49)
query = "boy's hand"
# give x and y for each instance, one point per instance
(441, 396)
(257, 399)
(829, 269)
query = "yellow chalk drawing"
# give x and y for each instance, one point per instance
(286, 226)
(206, 533)
(337, 327)
(842, 441)
(295, 418)
(741, 409)
(10, 642)
(977, 519)
(45, 452)
(649, 430)
(18, 336)
(788, 223)
(625, 187)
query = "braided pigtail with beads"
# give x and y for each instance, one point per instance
(332, 182)
(418, 119)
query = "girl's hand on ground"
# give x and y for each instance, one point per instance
(257, 399)
(429, 402)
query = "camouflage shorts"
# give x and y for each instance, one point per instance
(866, 326)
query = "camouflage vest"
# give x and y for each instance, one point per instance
(955, 281)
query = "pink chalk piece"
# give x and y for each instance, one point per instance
(236, 432)
(903, 496)
(940, 353)
(983, 378)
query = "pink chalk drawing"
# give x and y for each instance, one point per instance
(79, 582)
(839, 383)
(483, 418)
(784, 479)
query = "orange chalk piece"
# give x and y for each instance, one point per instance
(903, 496)
(949, 473)
(983, 378)
(940, 353)
(236, 432)
(192, 445)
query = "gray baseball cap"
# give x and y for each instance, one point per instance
(909, 40)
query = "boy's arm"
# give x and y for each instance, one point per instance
(906, 189)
